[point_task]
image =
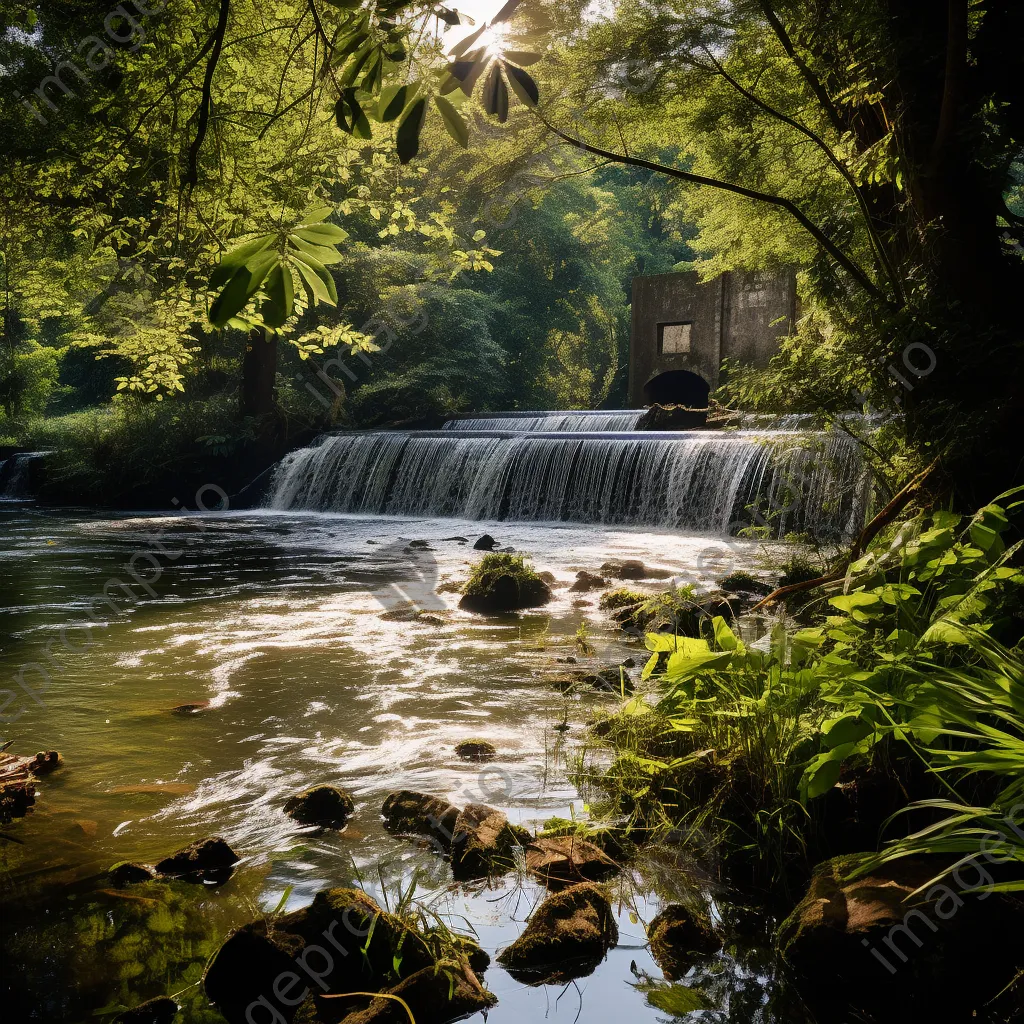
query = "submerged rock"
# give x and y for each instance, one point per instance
(476, 750)
(190, 709)
(568, 859)
(323, 805)
(130, 873)
(484, 841)
(567, 936)
(210, 861)
(408, 811)
(677, 935)
(344, 942)
(485, 543)
(154, 1011)
(587, 581)
(433, 996)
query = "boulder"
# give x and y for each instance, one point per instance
(408, 811)
(343, 942)
(420, 545)
(322, 805)
(153, 1011)
(567, 936)
(484, 841)
(743, 583)
(434, 996)
(209, 861)
(503, 583)
(587, 581)
(867, 944)
(677, 936)
(485, 543)
(476, 750)
(548, 577)
(129, 873)
(633, 569)
(568, 859)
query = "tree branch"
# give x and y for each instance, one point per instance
(749, 193)
(206, 101)
(880, 252)
(956, 71)
(809, 76)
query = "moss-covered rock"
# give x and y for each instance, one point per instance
(327, 806)
(484, 842)
(503, 583)
(210, 861)
(587, 581)
(566, 937)
(744, 583)
(633, 569)
(476, 750)
(568, 859)
(418, 813)
(677, 936)
(344, 942)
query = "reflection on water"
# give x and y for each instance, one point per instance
(287, 637)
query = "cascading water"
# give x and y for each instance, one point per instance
(611, 419)
(16, 475)
(704, 481)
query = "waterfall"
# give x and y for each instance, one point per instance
(611, 419)
(704, 481)
(16, 475)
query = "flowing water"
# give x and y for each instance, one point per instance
(609, 419)
(286, 630)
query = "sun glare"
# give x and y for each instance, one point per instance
(495, 38)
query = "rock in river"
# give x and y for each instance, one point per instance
(476, 750)
(677, 936)
(129, 873)
(207, 860)
(344, 942)
(322, 805)
(408, 811)
(485, 543)
(568, 859)
(566, 937)
(484, 842)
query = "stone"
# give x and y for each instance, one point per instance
(421, 545)
(478, 958)
(633, 569)
(44, 762)
(485, 543)
(458, 540)
(343, 938)
(433, 997)
(476, 750)
(568, 859)
(408, 811)
(190, 709)
(15, 799)
(867, 944)
(744, 584)
(567, 936)
(210, 861)
(154, 1011)
(484, 841)
(507, 593)
(677, 936)
(327, 806)
(587, 581)
(129, 873)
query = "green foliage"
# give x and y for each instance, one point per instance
(29, 374)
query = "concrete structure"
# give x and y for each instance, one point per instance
(682, 330)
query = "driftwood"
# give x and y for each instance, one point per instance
(18, 776)
(899, 502)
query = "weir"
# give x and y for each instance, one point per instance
(705, 481)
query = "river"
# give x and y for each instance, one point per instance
(288, 630)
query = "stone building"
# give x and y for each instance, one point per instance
(682, 330)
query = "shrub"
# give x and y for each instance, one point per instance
(503, 582)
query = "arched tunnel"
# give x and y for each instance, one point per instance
(677, 387)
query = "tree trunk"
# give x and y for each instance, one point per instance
(259, 374)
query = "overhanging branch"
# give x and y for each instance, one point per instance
(206, 101)
(749, 193)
